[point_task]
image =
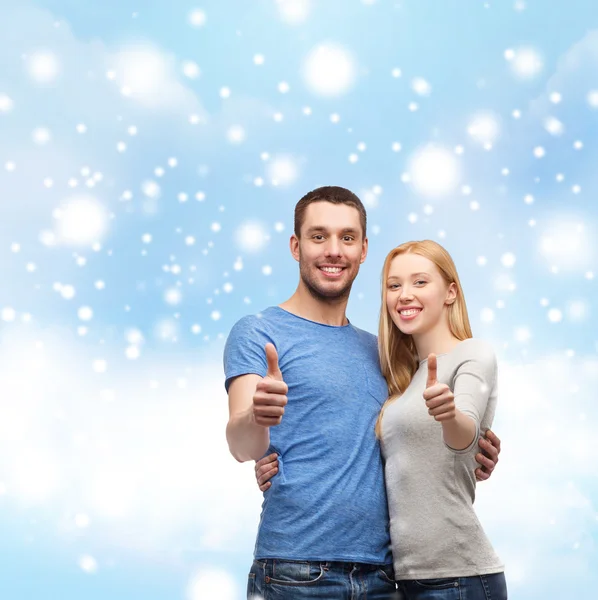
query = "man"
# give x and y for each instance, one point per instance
(324, 529)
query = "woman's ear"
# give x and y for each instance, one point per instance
(451, 293)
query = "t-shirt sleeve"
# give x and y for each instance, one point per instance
(244, 351)
(474, 380)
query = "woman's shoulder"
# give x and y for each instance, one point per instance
(476, 349)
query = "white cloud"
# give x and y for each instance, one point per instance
(74, 73)
(210, 583)
(141, 454)
(573, 74)
(54, 54)
(150, 78)
(566, 242)
(538, 508)
(142, 463)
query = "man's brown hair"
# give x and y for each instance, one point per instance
(333, 194)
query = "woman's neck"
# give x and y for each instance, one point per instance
(439, 340)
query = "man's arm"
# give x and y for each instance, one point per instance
(488, 457)
(246, 439)
(255, 404)
(267, 467)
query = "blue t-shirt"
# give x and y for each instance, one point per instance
(328, 500)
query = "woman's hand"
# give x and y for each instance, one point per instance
(439, 398)
(265, 469)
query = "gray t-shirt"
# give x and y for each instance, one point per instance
(434, 530)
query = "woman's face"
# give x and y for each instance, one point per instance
(416, 294)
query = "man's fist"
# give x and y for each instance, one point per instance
(438, 396)
(270, 396)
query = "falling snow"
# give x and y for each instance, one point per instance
(148, 194)
(434, 171)
(329, 70)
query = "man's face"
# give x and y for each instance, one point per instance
(330, 249)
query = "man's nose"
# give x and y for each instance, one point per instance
(333, 248)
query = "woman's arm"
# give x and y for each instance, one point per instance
(458, 429)
(460, 410)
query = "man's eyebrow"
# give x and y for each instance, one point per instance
(322, 228)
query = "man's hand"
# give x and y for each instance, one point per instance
(490, 446)
(265, 469)
(270, 395)
(438, 396)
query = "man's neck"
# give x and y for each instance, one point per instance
(304, 305)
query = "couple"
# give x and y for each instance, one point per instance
(371, 443)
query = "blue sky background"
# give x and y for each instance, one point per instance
(151, 155)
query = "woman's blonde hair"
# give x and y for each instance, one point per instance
(398, 355)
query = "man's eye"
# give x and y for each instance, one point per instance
(348, 238)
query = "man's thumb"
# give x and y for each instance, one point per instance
(272, 358)
(432, 371)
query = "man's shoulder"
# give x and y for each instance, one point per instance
(366, 335)
(254, 322)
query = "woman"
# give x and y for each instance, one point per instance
(427, 351)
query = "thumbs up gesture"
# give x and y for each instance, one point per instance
(438, 396)
(270, 395)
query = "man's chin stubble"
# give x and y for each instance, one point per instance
(333, 298)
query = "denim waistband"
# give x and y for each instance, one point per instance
(343, 566)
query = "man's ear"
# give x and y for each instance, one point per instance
(294, 245)
(364, 251)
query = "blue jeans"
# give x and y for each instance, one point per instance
(273, 579)
(480, 587)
